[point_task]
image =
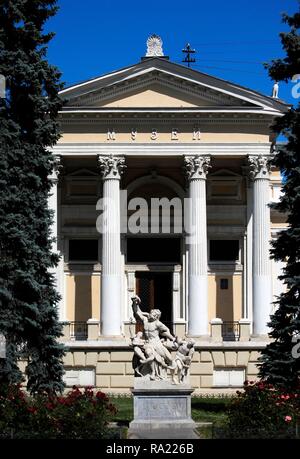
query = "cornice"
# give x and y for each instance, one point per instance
(164, 117)
(178, 76)
(168, 81)
(162, 149)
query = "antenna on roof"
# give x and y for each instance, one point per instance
(188, 51)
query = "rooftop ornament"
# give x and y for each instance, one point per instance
(154, 46)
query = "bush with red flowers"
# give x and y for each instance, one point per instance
(263, 411)
(80, 414)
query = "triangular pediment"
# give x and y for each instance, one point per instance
(153, 95)
(162, 84)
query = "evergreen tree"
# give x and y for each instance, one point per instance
(28, 126)
(279, 365)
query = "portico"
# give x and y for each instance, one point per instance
(165, 134)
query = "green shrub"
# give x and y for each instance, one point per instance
(80, 414)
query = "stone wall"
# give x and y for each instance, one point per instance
(113, 367)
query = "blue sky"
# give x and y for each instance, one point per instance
(232, 38)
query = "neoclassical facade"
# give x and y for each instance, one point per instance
(161, 189)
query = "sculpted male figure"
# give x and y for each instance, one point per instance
(154, 330)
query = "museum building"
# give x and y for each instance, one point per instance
(144, 149)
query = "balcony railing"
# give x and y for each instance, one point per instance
(78, 331)
(231, 331)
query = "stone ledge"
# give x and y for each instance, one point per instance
(121, 344)
(142, 385)
(235, 345)
(139, 432)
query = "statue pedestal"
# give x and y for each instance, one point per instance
(161, 410)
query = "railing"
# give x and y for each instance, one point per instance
(78, 331)
(231, 331)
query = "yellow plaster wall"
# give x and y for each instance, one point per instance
(275, 175)
(279, 225)
(212, 295)
(154, 97)
(237, 296)
(164, 137)
(225, 304)
(96, 298)
(83, 297)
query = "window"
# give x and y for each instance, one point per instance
(83, 250)
(155, 250)
(224, 284)
(223, 250)
(224, 185)
(81, 186)
(79, 377)
(228, 377)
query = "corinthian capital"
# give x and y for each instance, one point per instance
(196, 166)
(111, 167)
(57, 167)
(259, 166)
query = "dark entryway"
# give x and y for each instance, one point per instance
(153, 250)
(155, 291)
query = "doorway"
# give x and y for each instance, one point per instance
(155, 292)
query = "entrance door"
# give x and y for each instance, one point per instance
(155, 292)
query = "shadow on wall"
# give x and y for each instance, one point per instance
(83, 298)
(224, 297)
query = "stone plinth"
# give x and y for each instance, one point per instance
(161, 410)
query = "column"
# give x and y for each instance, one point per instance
(248, 253)
(262, 279)
(58, 272)
(196, 169)
(111, 283)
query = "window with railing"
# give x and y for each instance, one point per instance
(78, 331)
(231, 331)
